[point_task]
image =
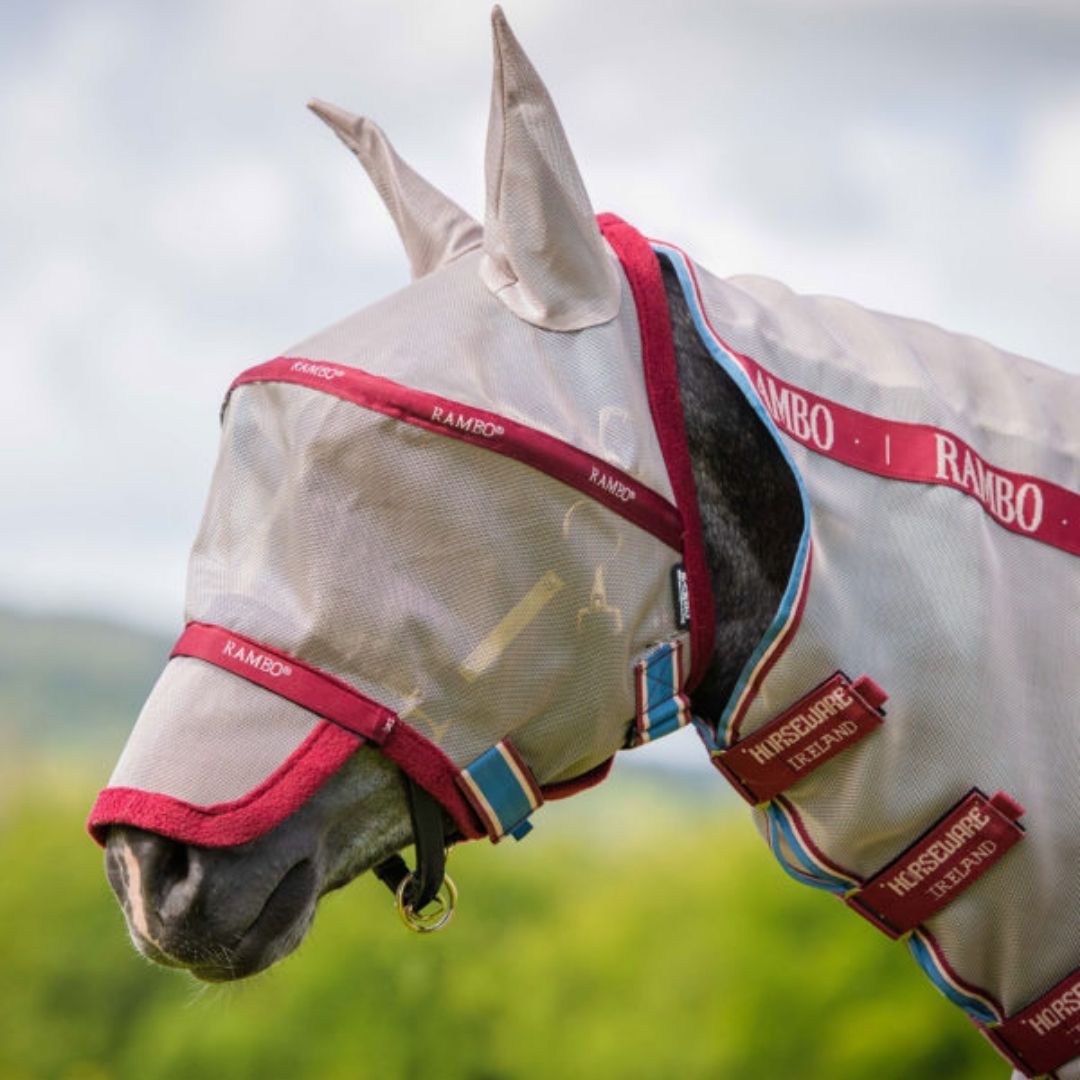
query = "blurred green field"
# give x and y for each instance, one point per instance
(640, 931)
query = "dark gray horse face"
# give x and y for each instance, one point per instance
(225, 913)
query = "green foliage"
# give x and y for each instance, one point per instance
(639, 932)
(74, 684)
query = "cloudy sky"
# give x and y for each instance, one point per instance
(170, 213)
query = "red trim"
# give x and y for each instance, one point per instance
(317, 758)
(288, 677)
(349, 719)
(565, 788)
(435, 772)
(642, 269)
(920, 453)
(335, 700)
(592, 476)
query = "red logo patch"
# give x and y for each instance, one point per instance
(943, 862)
(824, 723)
(1046, 1034)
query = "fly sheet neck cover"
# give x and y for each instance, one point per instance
(445, 531)
(906, 729)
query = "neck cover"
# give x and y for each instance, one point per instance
(907, 728)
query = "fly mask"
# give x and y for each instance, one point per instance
(459, 525)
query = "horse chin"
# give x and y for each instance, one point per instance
(277, 931)
(228, 913)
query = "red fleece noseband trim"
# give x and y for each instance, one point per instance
(310, 765)
(350, 719)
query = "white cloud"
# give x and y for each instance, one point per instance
(228, 216)
(170, 214)
(1051, 171)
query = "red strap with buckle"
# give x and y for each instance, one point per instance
(826, 722)
(288, 677)
(1045, 1035)
(943, 862)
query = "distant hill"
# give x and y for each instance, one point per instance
(73, 683)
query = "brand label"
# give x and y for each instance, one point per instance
(1002, 497)
(319, 371)
(957, 851)
(680, 592)
(461, 421)
(611, 484)
(1031, 506)
(809, 423)
(1046, 1034)
(830, 719)
(244, 654)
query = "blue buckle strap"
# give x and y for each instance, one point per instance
(502, 790)
(661, 706)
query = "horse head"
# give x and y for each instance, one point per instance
(567, 492)
(437, 559)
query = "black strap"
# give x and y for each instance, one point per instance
(430, 839)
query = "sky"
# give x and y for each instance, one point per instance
(171, 214)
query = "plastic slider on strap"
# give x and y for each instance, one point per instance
(833, 717)
(951, 855)
(502, 790)
(660, 705)
(1045, 1035)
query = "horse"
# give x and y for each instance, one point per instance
(566, 493)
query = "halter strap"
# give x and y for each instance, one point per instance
(430, 839)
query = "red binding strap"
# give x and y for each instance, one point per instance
(329, 697)
(642, 269)
(287, 677)
(1024, 504)
(592, 476)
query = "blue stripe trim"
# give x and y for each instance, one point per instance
(510, 802)
(660, 677)
(733, 368)
(811, 873)
(664, 709)
(665, 718)
(973, 1006)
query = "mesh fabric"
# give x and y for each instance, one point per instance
(972, 629)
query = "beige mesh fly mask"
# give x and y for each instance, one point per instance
(471, 576)
(461, 526)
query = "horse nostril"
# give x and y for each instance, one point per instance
(154, 877)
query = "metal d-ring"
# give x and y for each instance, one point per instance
(435, 915)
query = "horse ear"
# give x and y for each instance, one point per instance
(544, 257)
(433, 228)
